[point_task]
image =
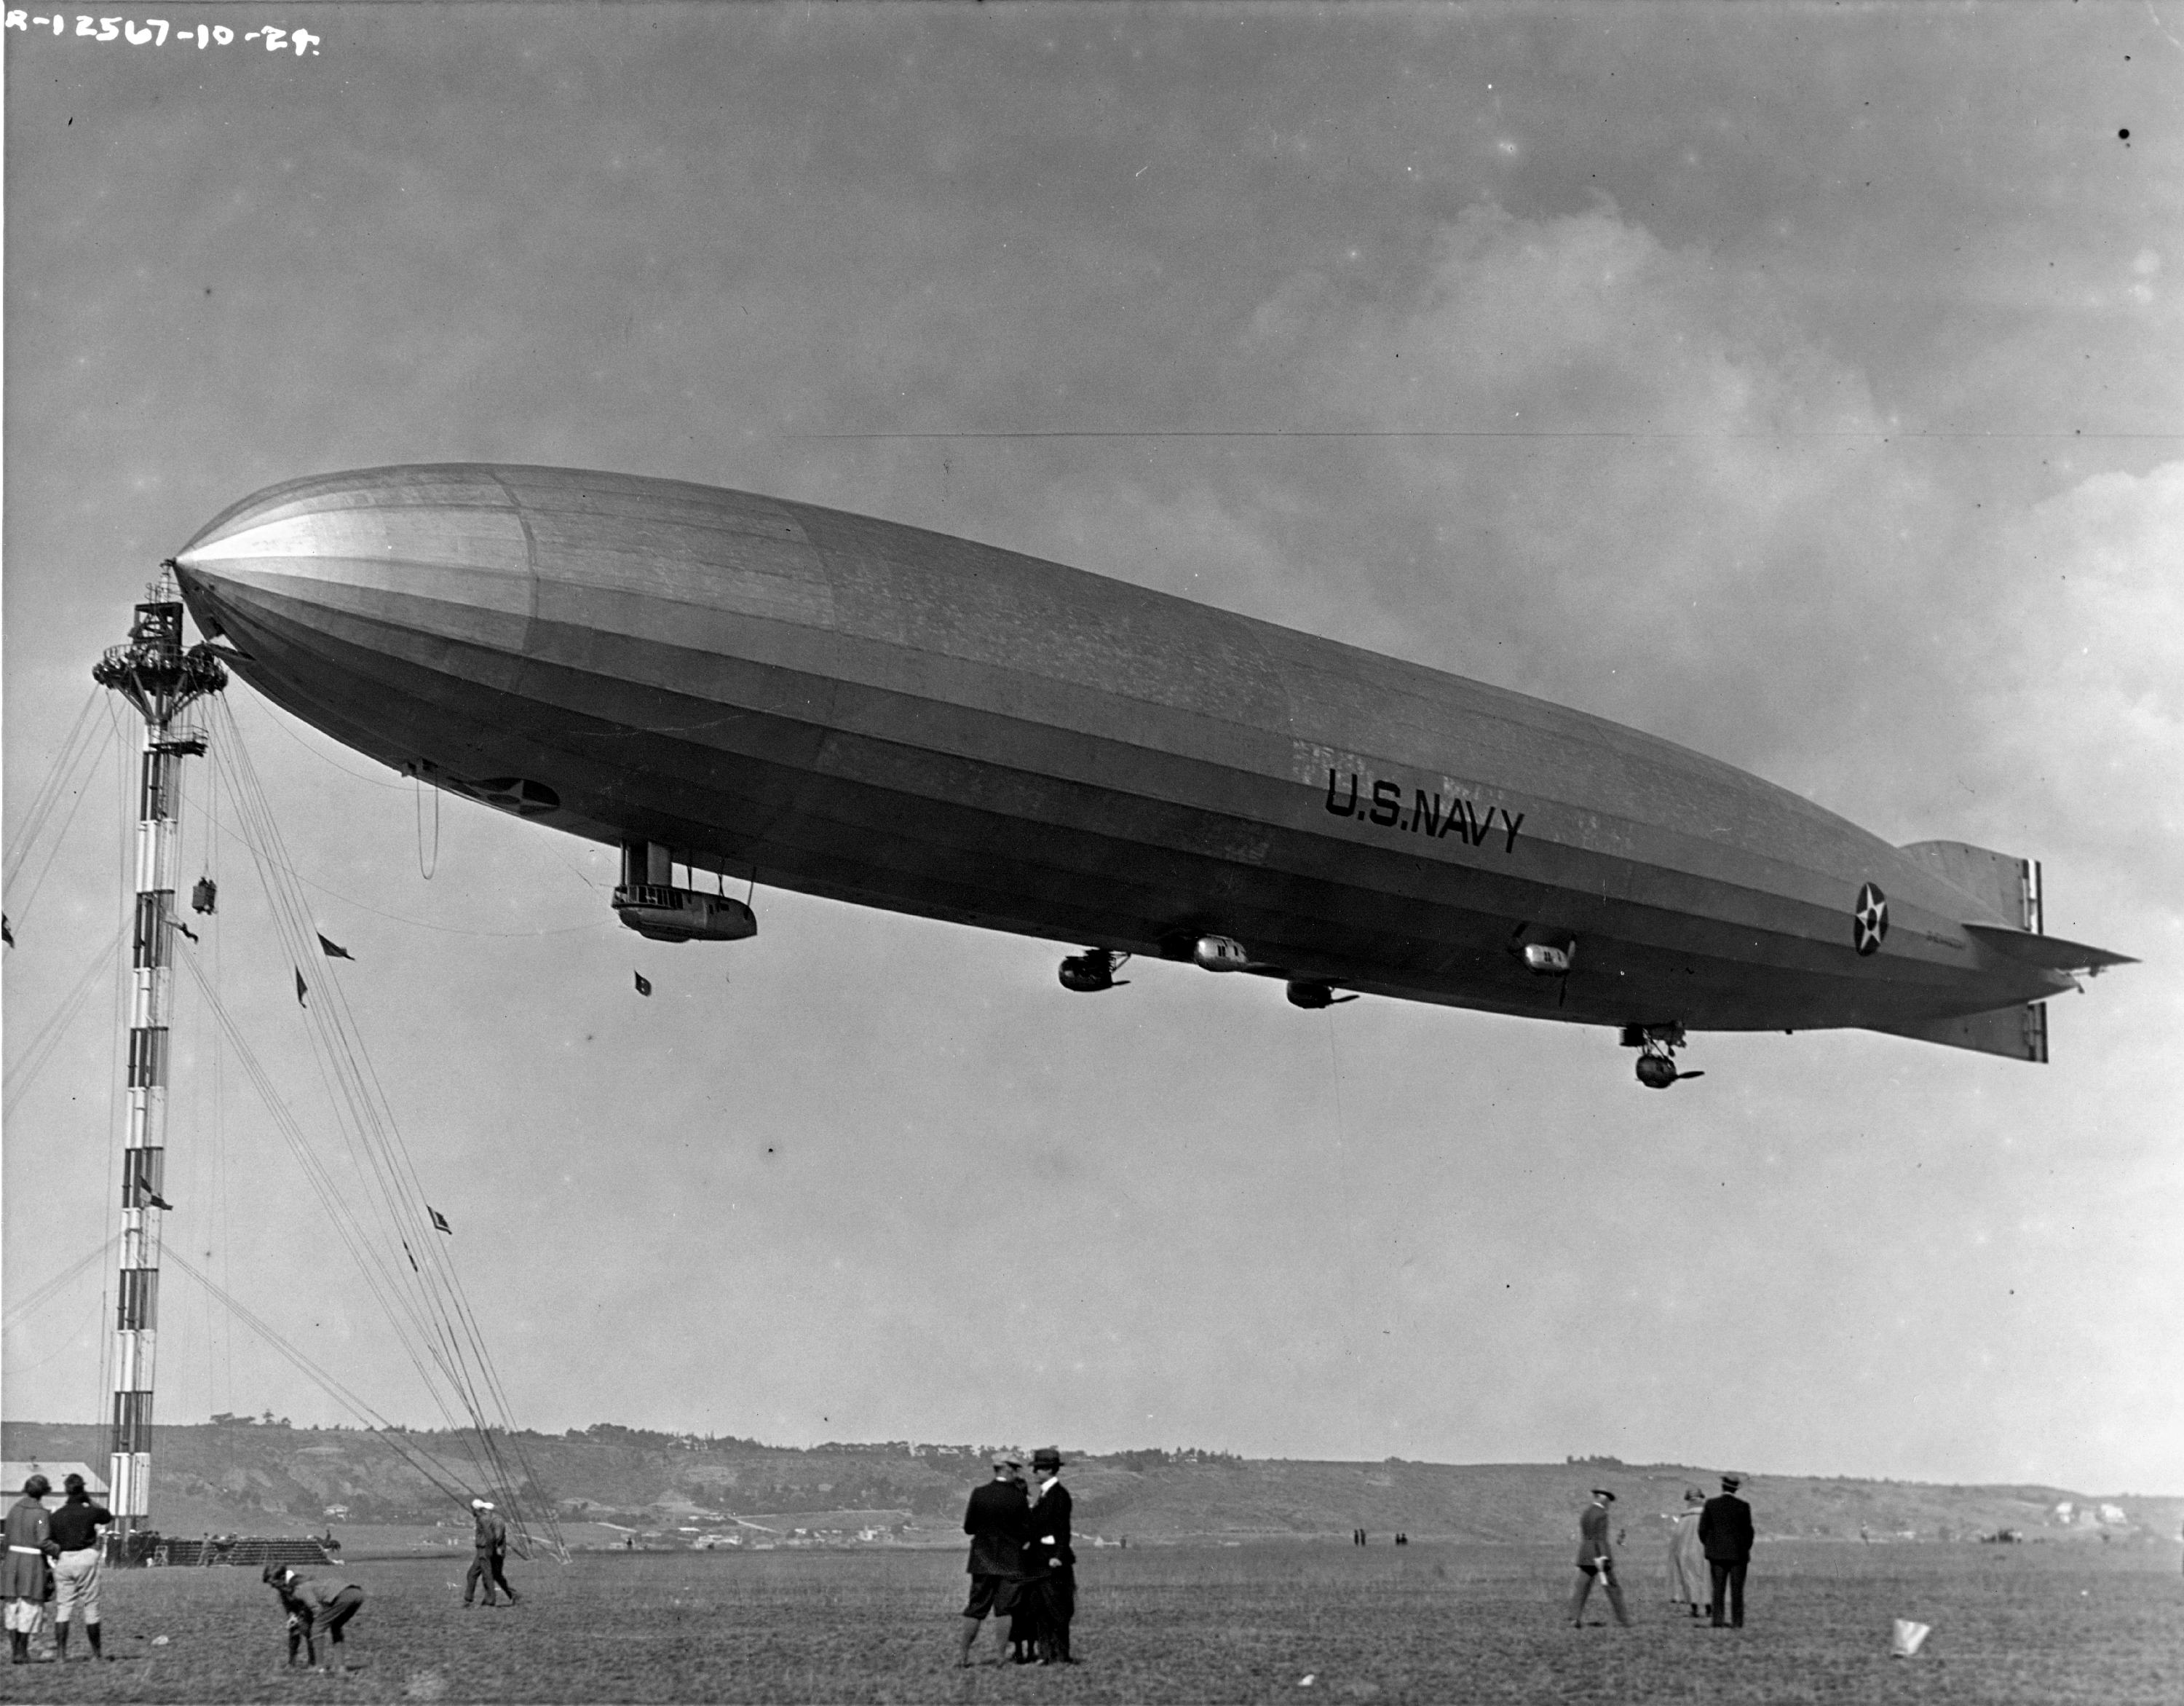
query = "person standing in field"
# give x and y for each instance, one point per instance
(488, 1553)
(23, 1580)
(75, 1542)
(1687, 1564)
(1050, 1560)
(315, 1606)
(1726, 1533)
(995, 1520)
(1596, 1558)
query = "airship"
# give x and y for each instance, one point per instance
(737, 688)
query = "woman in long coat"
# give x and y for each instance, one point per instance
(1689, 1583)
(23, 1580)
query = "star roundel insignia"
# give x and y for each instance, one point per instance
(525, 798)
(1869, 919)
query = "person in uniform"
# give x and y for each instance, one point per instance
(316, 1605)
(1049, 1559)
(488, 1553)
(994, 1520)
(23, 1579)
(1597, 1559)
(75, 1542)
(1726, 1533)
(1687, 1564)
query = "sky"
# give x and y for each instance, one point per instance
(1806, 382)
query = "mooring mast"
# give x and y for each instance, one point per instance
(161, 679)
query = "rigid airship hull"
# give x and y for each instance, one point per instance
(881, 715)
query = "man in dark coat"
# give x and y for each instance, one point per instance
(1049, 1561)
(75, 1554)
(25, 1580)
(1596, 1558)
(994, 1520)
(488, 1553)
(1726, 1533)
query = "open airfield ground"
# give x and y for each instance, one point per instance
(2036, 1623)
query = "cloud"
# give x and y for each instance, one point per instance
(2084, 708)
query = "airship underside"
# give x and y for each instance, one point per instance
(878, 714)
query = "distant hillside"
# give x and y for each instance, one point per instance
(266, 1477)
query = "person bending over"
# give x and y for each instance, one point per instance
(315, 1606)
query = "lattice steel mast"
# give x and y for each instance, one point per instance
(162, 678)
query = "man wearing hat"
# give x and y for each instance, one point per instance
(1049, 1561)
(75, 1544)
(1596, 1558)
(488, 1553)
(995, 1520)
(23, 1576)
(1725, 1532)
(316, 1606)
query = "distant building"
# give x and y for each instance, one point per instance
(13, 1475)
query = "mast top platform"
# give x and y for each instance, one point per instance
(153, 670)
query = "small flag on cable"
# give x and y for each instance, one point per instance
(439, 1221)
(302, 988)
(6, 935)
(185, 929)
(143, 1168)
(644, 985)
(334, 951)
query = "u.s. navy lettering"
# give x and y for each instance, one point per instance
(1428, 815)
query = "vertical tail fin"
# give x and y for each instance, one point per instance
(2007, 887)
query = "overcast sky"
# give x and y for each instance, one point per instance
(1838, 352)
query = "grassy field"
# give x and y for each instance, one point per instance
(2052, 1623)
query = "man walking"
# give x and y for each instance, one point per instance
(1726, 1533)
(1050, 1560)
(75, 1530)
(1596, 1558)
(488, 1553)
(994, 1520)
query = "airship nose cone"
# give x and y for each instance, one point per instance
(375, 558)
(201, 593)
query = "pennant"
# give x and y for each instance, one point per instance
(644, 985)
(439, 1220)
(302, 989)
(334, 951)
(185, 929)
(141, 1166)
(6, 935)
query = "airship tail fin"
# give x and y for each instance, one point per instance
(2052, 952)
(2018, 1034)
(2009, 886)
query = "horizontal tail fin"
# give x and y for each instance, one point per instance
(2019, 1033)
(2053, 952)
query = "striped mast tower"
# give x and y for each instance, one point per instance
(161, 679)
